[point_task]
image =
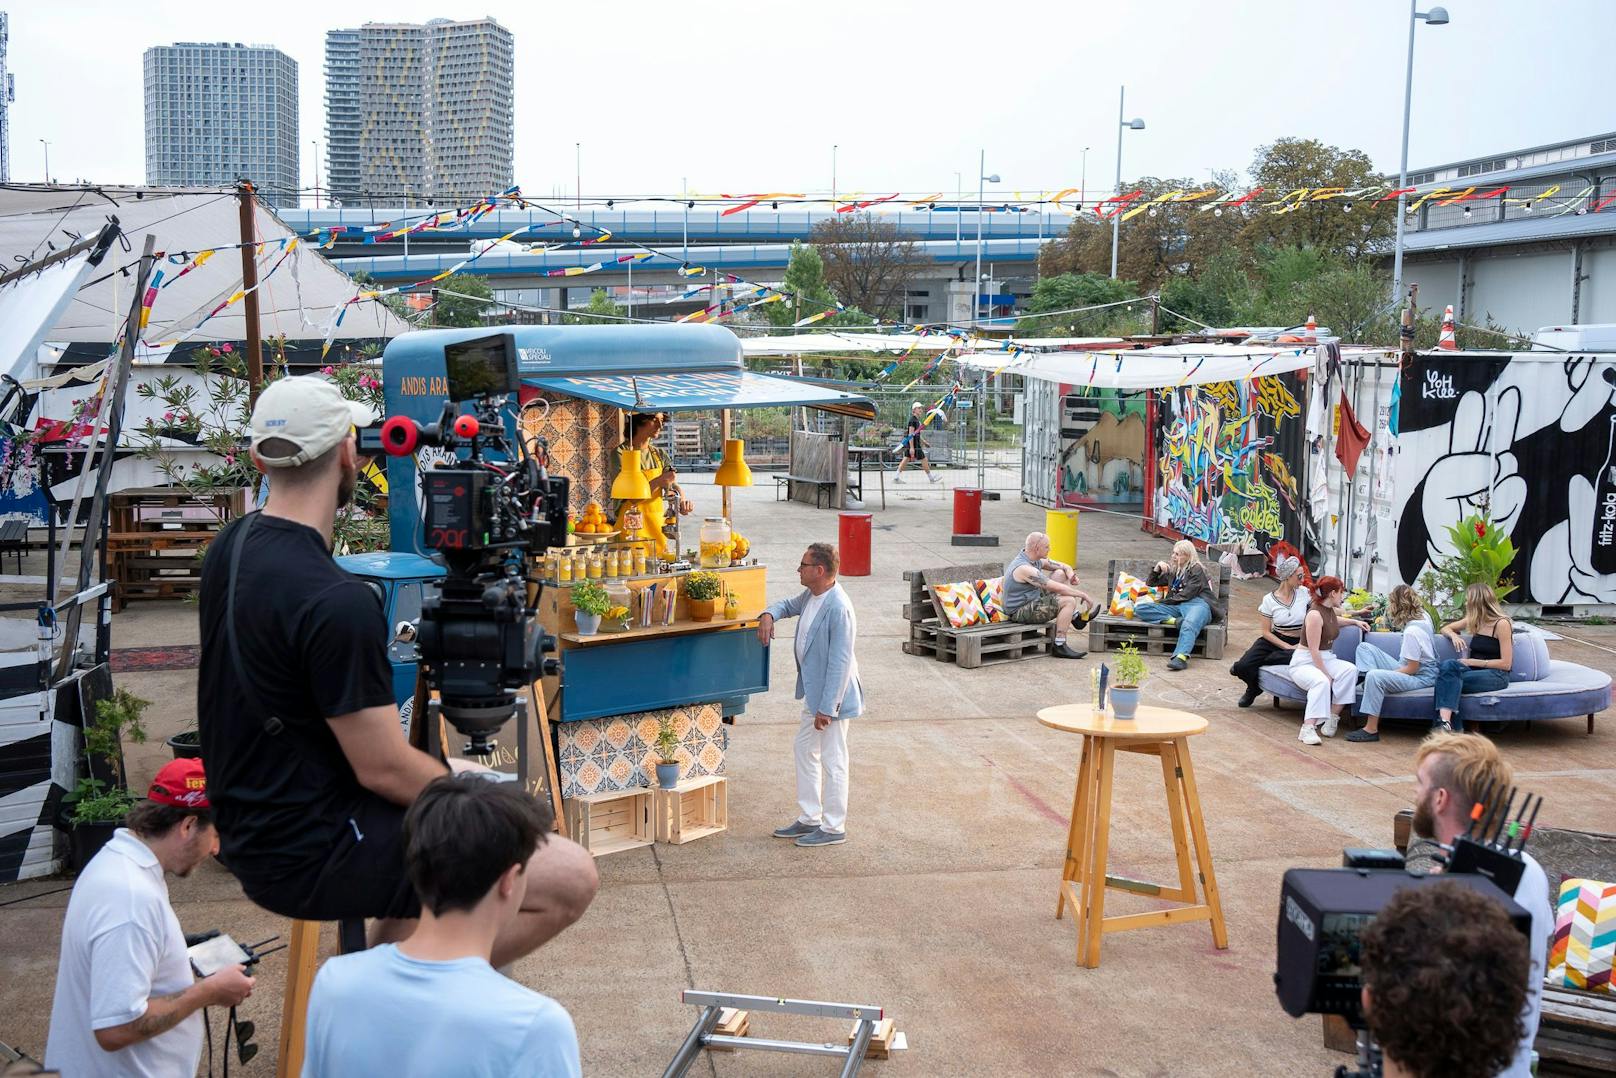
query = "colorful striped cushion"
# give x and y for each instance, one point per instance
(991, 592)
(961, 604)
(1584, 936)
(1129, 592)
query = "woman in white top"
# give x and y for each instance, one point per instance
(1418, 668)
(1330, 682)
(1282, 612)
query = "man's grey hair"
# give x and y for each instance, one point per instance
(824, 555)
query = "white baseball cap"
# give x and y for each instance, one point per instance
(309, 412)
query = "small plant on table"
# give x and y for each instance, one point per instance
(591, 598)
(1130, 667)
(667, 749)
(703, 586)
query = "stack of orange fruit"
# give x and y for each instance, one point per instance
(594, 521)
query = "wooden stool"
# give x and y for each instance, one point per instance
(302, 962)
(1154, 731)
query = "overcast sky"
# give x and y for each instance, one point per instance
(752, 97)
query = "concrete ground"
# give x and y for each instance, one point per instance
(940, 906)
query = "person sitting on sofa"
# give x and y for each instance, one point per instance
(1188, 603)
(1281, 613)
(1491, 654)
(1039, 589)
(1329, 682)
(1406, 614)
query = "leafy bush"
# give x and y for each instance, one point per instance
(1130, 667)
(1482, 554)
(590, 597)
(703, 586)
(93, 801)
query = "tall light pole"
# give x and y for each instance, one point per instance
(833, 150)
(47, 160)
(316, 144)
(1437, 16)
(1083, 181)
(1135, 124)
(976, 286)
(959, 201)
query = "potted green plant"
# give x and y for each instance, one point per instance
(667, 747)
(187, 744)
(590, 602)
(702, 591)
(96, 807)
(1128, 672)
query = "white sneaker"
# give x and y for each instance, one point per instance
(1328, 728)
(898, 478)
(1309, 735)
(932, 476)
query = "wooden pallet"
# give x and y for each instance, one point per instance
(693, 809)
(1578, 1031)
(1106, 632)
(610, 822)
(926, 640)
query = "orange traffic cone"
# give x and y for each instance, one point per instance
(1446, 342)
(1311, 334)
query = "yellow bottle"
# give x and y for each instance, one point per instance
(594, 567)
(611, 563)
(564, 568)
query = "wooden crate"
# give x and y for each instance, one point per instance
(1006, 641)
(693, 809)
(610, 822)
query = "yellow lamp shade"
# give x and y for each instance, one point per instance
(733, 472)
(630, 484)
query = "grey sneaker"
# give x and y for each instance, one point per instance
(822, 837)
(795, 829)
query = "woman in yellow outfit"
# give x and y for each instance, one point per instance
(642, 428)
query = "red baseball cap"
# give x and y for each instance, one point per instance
(181, 784)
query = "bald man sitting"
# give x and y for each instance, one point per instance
(1038, 589)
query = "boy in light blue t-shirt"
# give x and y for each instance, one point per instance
(433, 1005)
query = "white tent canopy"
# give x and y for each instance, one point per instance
(299, 301)
(1148, 368)
(807, 343)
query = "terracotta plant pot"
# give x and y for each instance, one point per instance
(703, 609)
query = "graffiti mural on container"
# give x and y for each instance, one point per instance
(1102, 447)
(1530, 439)
(1222, 471)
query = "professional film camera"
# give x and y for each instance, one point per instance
(483, 516)
(1323, 911)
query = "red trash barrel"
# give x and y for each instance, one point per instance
(967, 511)
(853, 539)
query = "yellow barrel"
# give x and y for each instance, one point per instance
(1061, 526)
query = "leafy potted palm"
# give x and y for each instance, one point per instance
(1129, 672)
(590, 602)
(667, 747)
(702, 592)
(96, 808)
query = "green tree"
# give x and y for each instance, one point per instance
(867, 263)
(1288, 165)
(805, 280)
(1072, 290)
(457, 310)
(1219, 295)
(599, 309)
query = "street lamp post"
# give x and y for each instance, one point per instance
(976, 286)
(1135, 124)
(1437, 16)
(1083, 181)
(47, 159)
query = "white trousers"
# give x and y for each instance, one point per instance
(1337, 687)
(822, 774)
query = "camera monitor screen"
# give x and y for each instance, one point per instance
(482, 367)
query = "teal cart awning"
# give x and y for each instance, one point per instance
(686, 391)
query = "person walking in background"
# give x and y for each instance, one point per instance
(1188, 603)
(1491, 653)
(1418, 670)
(828, 686)
(914, 448)
(1328, 681)
(1281, 613)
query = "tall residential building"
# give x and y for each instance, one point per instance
(8, 94)
(216, 113)
(342, 115)
(423, 112)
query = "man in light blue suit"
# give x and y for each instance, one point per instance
(828, 686)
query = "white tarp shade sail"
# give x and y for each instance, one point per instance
(897, 343)
(299, 301)
(1148, 368)
(30, 305)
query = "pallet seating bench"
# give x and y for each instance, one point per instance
(1107, 630)
(976, 645)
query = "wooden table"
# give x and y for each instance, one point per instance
(859, 453)
(1154, 731)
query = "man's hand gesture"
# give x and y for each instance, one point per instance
(765, 629)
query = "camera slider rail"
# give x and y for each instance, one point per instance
(713, 1004)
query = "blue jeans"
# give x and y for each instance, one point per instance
(1383, 677)
(1192, 616)
(1455, 679)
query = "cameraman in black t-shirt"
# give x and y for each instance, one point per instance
(309, 771)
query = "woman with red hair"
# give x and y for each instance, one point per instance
(1330, 682)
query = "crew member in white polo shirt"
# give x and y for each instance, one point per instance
(126, 999)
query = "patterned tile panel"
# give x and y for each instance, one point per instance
(619, 753)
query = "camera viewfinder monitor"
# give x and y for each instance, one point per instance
(485, 366)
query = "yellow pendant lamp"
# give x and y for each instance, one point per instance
(630, 484)
(733, 472)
